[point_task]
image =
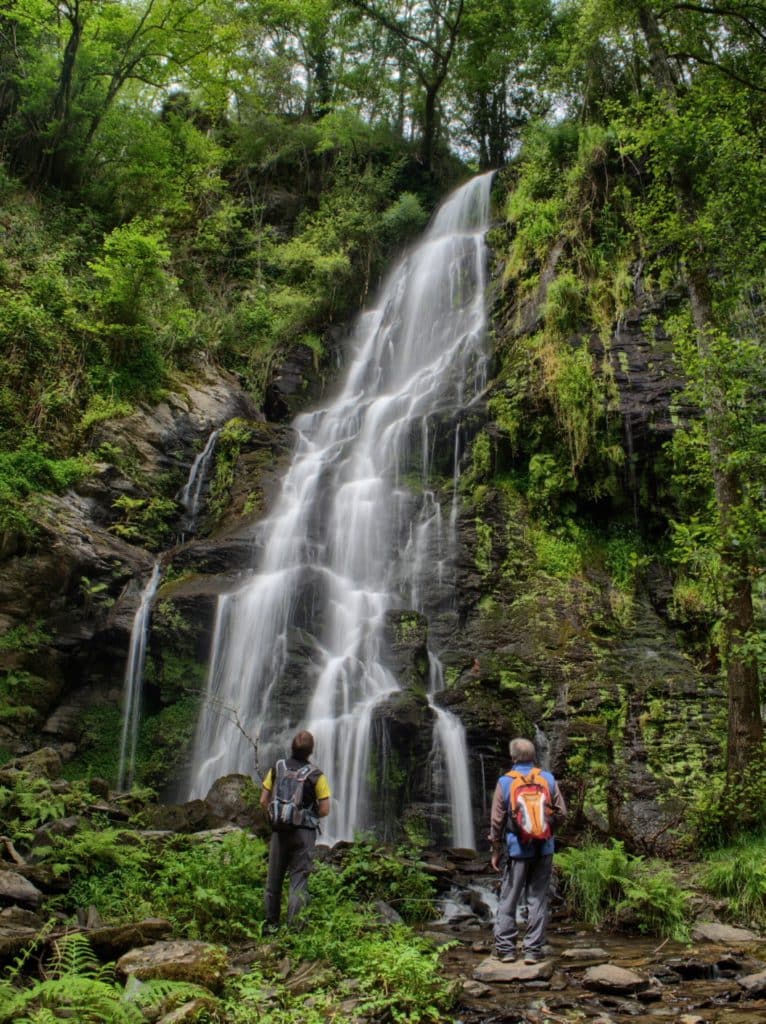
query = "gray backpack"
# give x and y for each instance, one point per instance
(286, 809)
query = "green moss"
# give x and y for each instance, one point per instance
(98, 746)
(483, 547)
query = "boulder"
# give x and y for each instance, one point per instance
(614, 980)
(198, 962)
(44, 764)
(713, 931)
(14, 888)
(234, 798)
(109, 941)
(492, 970)
(753, 984)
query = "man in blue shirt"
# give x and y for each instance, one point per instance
(528, 865)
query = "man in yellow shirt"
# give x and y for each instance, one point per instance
(296, 795)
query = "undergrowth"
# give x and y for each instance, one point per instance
(608, 887)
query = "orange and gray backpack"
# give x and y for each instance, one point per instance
(530, 808)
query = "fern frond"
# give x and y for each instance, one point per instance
(163, 995)
(73, 956)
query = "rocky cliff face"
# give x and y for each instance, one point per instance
(594, 671)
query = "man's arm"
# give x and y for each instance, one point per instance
(323, 807)
(266, 790)
(497, 819)
(559, 806)
(322, 795)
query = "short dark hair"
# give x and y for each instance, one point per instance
(303, 745)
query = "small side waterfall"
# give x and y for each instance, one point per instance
(189, 496)
(134, 677)
(449, 747)
(349, 538)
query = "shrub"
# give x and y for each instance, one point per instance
(738, 874)
(606, 885)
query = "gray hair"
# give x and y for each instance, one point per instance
(522, 750)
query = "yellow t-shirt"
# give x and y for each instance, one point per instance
(321, 786)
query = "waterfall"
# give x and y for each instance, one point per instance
(449, 748)
(134, 677)
(190, 494)
(348, 540)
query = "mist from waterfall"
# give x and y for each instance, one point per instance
(358, 531)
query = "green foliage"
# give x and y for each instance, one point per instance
(722, 808)
(606, 886)
(28, 801)
(369, 873)
(738, 874)
(145, 520)
(214, 890)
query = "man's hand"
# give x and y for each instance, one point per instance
(495, 859)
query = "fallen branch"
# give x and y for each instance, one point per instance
(13, 853)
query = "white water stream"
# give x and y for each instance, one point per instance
(191, 493)
(349, 540)
(134, 679)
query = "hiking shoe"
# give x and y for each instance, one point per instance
(533, 957)
(507, 958)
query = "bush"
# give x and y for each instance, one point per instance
(606, 886)
(738, 874)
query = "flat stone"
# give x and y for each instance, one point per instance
(475, 989)
(492, 970)
(14, 888)
(612, 979)
(712, 931)
(753, 984)
(199, 962)
(584, 954)
(690, 1018)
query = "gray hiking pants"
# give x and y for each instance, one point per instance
(289, 852)
(532, 876)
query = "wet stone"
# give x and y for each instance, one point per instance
(14, 888)
(475, 989)
(492, 970)
(712, 931)
(753, 984)
(612, 979)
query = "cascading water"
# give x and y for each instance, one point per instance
(348, 540)
(134, 676)
(191, 493)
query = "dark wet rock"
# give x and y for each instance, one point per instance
(98, 787)
(15, 937)
(15, 888)
(20, 916)
(191, 816)
(754, 984)
(386, 913)
(234, 799)
(42, 764)
(611, 979)
(492, 970)
(199, 962)
(110, 941)
(46, 834)
(476, 989)
(693, 967)
(713, 931)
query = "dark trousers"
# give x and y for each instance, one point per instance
(534, 877)
(291, 852)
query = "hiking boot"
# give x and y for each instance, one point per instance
(507, 958)
(534, 957)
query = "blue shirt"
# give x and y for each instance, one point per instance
(536, 848)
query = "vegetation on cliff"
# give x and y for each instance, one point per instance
(192, 183)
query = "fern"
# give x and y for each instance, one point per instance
(161, 996)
